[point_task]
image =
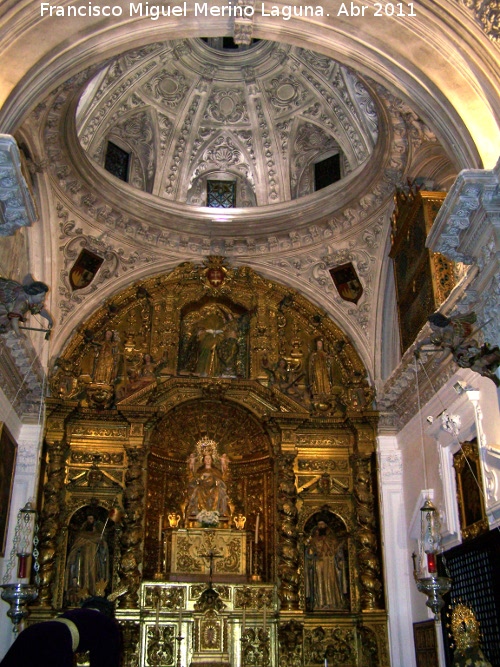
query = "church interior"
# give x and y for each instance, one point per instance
(249, 329)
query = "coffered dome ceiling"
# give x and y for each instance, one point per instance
(262, 117)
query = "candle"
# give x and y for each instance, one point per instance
(180, 622)
(431, 563)
(22, 570)
(160, 527)
(265, 620)
(244, 620)
(257, 529)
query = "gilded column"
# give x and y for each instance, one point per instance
(50, 525)
(369, 564)
(132, 536)
(288, 553)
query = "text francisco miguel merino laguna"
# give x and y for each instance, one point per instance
(154, 12)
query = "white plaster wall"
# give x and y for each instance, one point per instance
(439, 446)
(397, 569)
(28, 438)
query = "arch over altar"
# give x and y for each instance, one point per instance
(241, 451)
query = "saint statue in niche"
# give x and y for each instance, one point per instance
(88, 563)
(326, 568)
(208, 501)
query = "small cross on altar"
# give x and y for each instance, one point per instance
(211, 555)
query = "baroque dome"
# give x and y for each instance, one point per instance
(262, 117)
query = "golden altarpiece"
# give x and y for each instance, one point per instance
(209, 449)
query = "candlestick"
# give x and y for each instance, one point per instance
(160, 527)
(179, 639)
(257, 529)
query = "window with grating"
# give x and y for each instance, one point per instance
(475, 571)
(117, 161)
(221, 194)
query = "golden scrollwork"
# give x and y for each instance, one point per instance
(213, 313)
(169, 598)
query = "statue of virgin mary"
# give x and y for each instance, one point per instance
(207, 491)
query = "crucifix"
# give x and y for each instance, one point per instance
(211, 555)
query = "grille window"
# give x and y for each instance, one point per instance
(221, 194)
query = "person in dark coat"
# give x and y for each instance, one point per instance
(53, 643)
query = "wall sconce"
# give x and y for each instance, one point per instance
(25, 548)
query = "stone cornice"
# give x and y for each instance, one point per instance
(466, 230)
(461, 224)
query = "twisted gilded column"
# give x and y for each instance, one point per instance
(366, 534)
(50, 524)
(131, 540)
(288, 552)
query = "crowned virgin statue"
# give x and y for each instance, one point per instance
(207, 492)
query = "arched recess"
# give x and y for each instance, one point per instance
(310, 142)
(241, 441)
(222, 157)
(135, 134)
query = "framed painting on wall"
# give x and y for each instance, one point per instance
(467, 464)
(8, 451)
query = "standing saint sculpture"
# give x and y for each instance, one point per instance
(207, 492)
(319, 371)
(326, 581)
(87, 566)
(106, 360)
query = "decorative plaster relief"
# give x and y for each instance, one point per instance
(137, 132)
(115, 261)
(391, 466)
(182, 142)
(362, 251)
(226, 106)
(270, 165)
(487, 14)
(285, 93)
(21, 373)
(93, 123)
(168, 87)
